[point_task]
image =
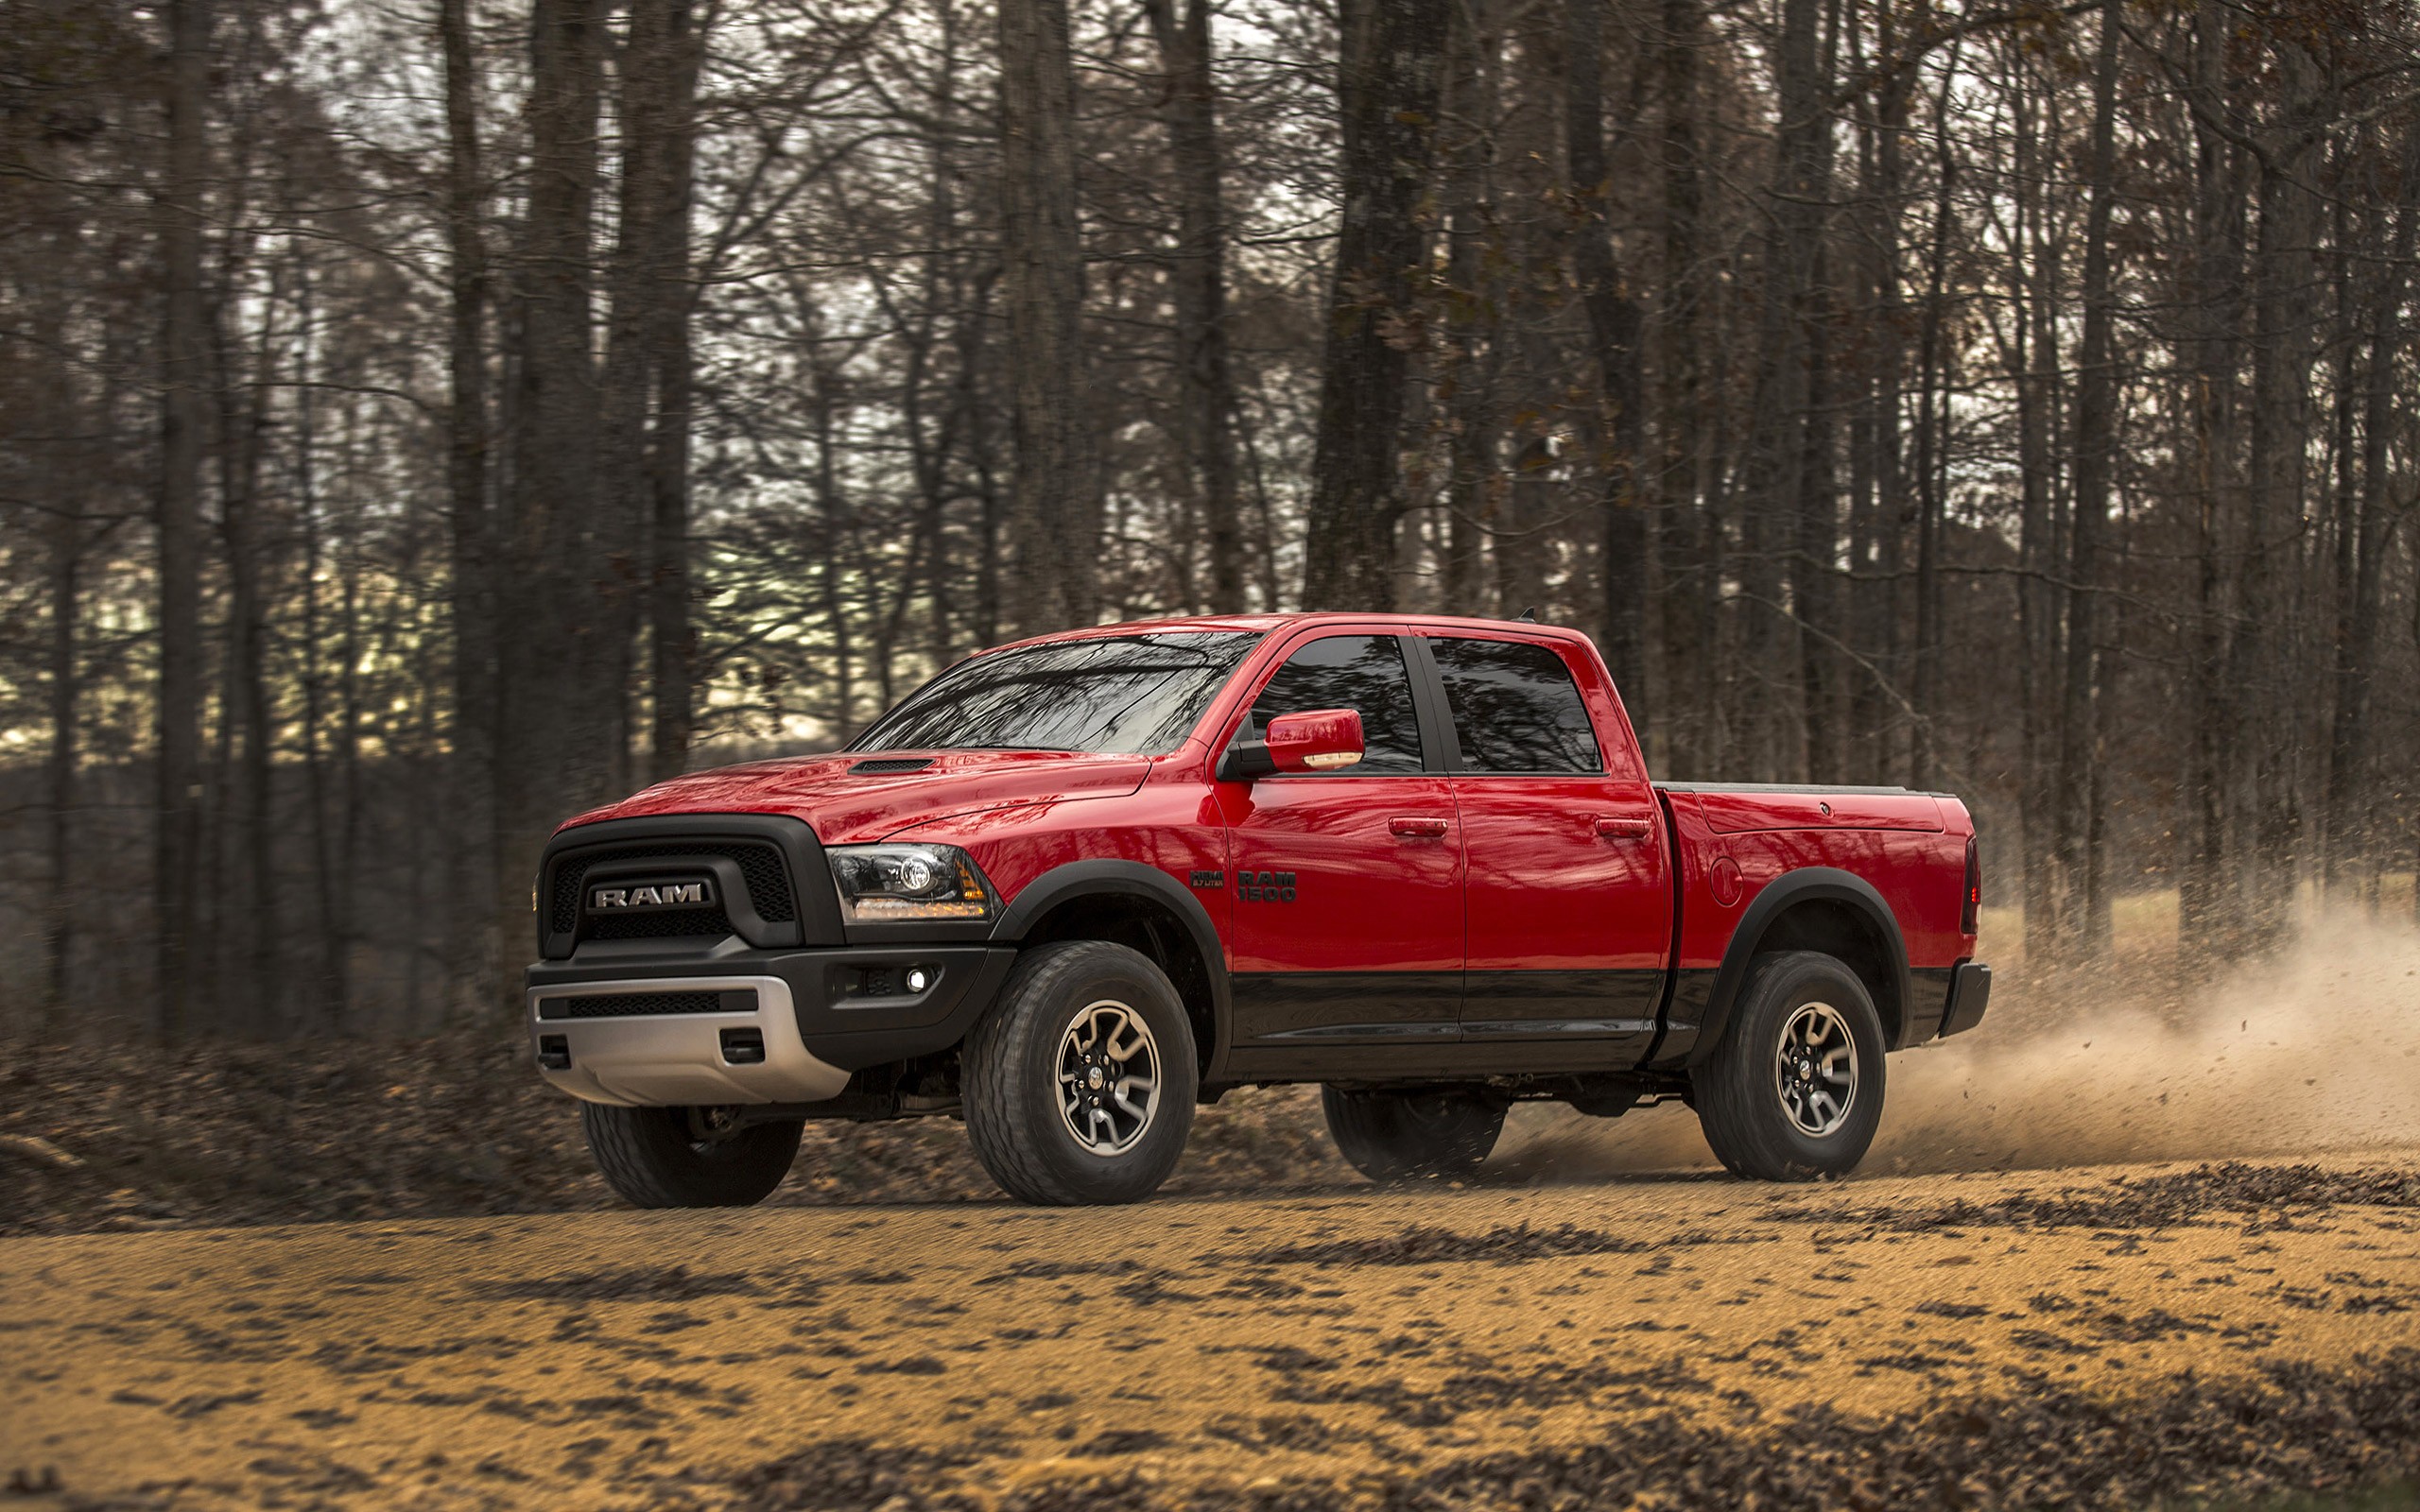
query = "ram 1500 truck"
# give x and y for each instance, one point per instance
(1072, 887)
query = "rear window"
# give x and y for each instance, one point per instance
(1515, 708)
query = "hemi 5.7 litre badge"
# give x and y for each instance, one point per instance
(626, 897)
(1265, 886)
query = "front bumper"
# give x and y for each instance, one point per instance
(749, 1026)
(736, 1054)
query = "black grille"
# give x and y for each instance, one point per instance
(659, 925)
(628, 1005)
(760, 865)
(890, 763)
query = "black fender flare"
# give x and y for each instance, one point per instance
(1084, 879)
(1807, 884)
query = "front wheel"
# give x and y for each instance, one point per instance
(1794, 1091)
(688, 1157)
(1389, 1136)
(1079, 1081)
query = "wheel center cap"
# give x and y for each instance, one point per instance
(1094, 1078)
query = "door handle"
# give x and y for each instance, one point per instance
(1623, 827)
(1414, 828)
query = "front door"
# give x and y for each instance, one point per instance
(1347, 944)
(1568, 886)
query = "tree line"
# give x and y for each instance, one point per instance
(423, 418)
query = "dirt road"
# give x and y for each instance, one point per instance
(2069, 1337)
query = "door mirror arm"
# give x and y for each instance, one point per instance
(1247, 761)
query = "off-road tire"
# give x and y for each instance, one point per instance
(1401, 1136)
(1013, 1092)
(652, 1158)
(1738, 1095)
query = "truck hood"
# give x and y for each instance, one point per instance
(845, 806)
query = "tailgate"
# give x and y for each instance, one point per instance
(1740, 809)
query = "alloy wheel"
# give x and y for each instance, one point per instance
(1815, 1070)
(1109, 1077)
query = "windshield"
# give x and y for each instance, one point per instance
(1117, 694)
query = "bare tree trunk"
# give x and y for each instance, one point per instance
(1776, 486)
(66, 691)
(346, 846)
(560, 695)
(1814, 579)
(672, 637)
(1388, 85)
(929, 447)
(648, 324)
(326, 865)
(184, 373)
(623, 512)
(1468, 382)
(1200, 284)
(2349, 784)
(982, 455)
(2266, 660)
(425, 829)
(236, 951)
(1264, 519)
(667, 85)
(832, 504)
(2210, 891)
(2096, 438)
(2037, 628)
(1054, 515)
(1933, 360)
(250, 919)
(1893, 516)
(1613, 327)
(1689, 591)
(472, 944)
(1814, 576)
(1527, 506)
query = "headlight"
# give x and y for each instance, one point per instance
(880, 882)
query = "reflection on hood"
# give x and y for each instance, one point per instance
(846, 807)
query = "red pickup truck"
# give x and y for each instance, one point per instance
(1072, 887)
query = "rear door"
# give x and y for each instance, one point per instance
(1569, 890)
(1348, 910)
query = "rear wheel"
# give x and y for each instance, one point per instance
(688, 1157)
(1794, 1091)
(1079, 1081)
(1392, 1136)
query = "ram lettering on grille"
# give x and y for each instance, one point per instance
(651, 895)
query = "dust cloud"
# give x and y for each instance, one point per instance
(2315, 1050)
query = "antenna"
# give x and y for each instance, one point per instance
(1528, 616)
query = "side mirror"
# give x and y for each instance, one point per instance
(1321, 740)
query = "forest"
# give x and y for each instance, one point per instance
(421, 419)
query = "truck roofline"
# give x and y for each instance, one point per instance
(1265, 624)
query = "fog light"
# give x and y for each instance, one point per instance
(918, 978)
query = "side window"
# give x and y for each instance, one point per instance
(1515, 708)
(1359, 672)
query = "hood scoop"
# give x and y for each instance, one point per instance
(890, 765)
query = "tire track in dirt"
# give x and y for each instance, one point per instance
(2084, 1338)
